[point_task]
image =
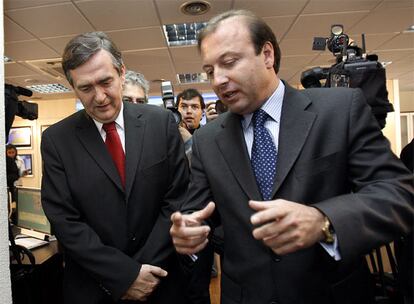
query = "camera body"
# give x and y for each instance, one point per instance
(167, 95)
(353, 69)
(25, 109)
(13, 106)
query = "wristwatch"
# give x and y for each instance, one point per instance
(328, 231)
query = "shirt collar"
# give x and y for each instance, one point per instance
(119, 120)
(272, 106)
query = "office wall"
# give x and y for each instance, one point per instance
(392, 128)
(407, 101)
(50, 112)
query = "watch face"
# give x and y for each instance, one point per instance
(328, 232)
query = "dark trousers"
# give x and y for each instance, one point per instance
(198, 291)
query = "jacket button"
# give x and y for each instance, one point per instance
(133, 239)
(276, 259)
(274, 302)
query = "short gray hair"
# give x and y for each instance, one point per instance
(82, 47)
(138, 79)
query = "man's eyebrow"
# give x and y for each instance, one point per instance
(88, 84)
(83, 85)
(105, 79)
(221, 57)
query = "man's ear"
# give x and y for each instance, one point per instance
(122, 73)
(269, 54)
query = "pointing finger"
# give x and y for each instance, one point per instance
(205, 213)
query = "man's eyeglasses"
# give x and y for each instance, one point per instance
(134, 100)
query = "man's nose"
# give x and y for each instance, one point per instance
(100, 95)
(220, 78)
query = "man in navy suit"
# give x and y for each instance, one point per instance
(336, 190)
(111, 213)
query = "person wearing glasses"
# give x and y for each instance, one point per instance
(136, 88)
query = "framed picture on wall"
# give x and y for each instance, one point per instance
(20, 136)
(43, 128)
(27, 159)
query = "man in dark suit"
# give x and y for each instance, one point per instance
(303, 182)
(110, 210)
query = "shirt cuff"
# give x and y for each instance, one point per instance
(332, 249)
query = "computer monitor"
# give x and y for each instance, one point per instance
(27, 160)
(30, 214)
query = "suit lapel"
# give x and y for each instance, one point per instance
(92, 141)
(134, 142)
(295, 126)
(233, 148)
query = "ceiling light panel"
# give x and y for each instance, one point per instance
(192, 78)
(50, 88)
(183, 33)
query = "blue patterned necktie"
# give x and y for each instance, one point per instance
(263, 155)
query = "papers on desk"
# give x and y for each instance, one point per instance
(37, 234)
(29, 242)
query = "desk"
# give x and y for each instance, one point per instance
(42, 254)
(41, 283)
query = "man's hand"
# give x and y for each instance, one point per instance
(185, 134)
(211, 113)
(146, 282)
(286, 226)
(187, 233)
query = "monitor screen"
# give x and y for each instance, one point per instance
(30, 213)
(27, 159)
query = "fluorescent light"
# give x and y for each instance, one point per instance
(410, 29)
(49, 88)
(192, 78)
(182, 34)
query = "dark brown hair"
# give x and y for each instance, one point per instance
(260, 32)
(190, 94)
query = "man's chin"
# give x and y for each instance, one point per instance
(240, 108)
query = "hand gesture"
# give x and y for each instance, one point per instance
(211, 113)
(185, 135)
(286, 226)
(188, 234)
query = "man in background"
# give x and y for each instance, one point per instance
(303, 182)
(113, 174)
(190, 104)
(135, 88)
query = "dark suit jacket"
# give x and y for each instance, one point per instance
(331, 155)
(108, 233)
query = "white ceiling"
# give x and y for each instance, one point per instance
(36, 32)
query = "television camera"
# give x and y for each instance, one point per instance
(14, 106)
(26, 110)
(353, 68)
(167, 94)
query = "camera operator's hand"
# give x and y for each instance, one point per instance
(211, 113)
(185, 134)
